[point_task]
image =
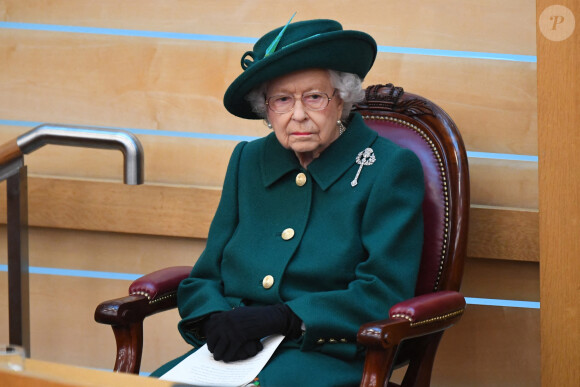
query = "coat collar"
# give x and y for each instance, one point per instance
(326, 169)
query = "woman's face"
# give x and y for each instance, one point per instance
(308, 133)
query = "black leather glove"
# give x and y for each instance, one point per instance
(234, 335)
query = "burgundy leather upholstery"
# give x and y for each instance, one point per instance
(160, 282)
(433, 203)
(429, 306)
(413, 331)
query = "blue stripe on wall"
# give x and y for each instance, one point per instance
(248, 40)
(458, 54)
(232, 137)
(132, 277)
(502, 156)
(505, 303)
(148, 132)
(78, 273)
(123, 32)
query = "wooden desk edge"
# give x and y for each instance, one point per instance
(47, 374)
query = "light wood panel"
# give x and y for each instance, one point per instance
(180, 211)
(114, 207)
(501, 279)
(504, 183)
(106, 252)
(63, 328)
(140, 254)
(116, 81)
(443, 24)
(490, 345)
(559, 141)
(503, 233)
(171, 160)
(493, 103)
(203, 163)
(165, 84)
(168, 160)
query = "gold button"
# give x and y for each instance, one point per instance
(300, 179)
(268, 282)
(288, 234)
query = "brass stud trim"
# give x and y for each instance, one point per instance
(148, 296)
(429, 320)
(443, 177)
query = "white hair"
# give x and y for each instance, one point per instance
(349, 88)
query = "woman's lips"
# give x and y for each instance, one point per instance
(301, 133)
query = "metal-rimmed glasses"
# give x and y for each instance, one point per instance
(313, 100)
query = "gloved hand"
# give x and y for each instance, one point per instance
(229, 351)
(234, 335)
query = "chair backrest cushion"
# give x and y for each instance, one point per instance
(433, 203)
(417, 124)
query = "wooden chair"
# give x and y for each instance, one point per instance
(412, 333)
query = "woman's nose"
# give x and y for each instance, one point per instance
(299, 113)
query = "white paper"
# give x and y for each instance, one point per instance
(201, 369)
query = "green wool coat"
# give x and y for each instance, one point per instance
(337, 255)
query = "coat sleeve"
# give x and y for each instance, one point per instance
(202, 292)
(392, 234)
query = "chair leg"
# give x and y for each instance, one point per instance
(129, 340)
(420, 366)
(378, 366)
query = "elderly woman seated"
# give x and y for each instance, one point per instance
(319, 228)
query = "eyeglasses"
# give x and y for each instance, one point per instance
(314, 101)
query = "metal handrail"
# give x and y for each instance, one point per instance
(13, 170)
(80, 136)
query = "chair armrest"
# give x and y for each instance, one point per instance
(422, 317)
(418, 316)
(150, 294)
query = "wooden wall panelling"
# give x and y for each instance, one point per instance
(503, 233)
(559, 181)
(133, 254)
(116, 81)
(115, 207)
(492, 102)
(508, 27)
(495, 232)
(491, 346)
(62, 306)
(505, 183)
(63, 329)
(139, 254)
(191, 162)
(489, 338)
(168, 160)
(163, 84)
(501, 279)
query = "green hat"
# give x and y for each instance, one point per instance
(302, 45)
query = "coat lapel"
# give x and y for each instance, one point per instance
(341, 154)
(329, 167)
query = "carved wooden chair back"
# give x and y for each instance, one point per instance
(418, 124)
